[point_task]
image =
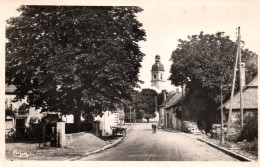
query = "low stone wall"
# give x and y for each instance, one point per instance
(69, 138)
(66, 139)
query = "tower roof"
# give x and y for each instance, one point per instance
(157, 66)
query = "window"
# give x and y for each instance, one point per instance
(161, 76)
(154, 77)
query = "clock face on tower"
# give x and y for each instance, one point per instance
(157, 72)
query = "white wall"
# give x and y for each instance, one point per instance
(107, 120)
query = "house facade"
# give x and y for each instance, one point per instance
(20, 121)
(249, 101)
(172, 108)
(110, 119)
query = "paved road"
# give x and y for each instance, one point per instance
(141, 145)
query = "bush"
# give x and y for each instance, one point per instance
(23, 109)
(250, 129)
(9, 112)
(251, 146)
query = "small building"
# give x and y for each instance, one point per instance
(172, 108)
(110, 119)
(162, 108)
(249, 101)
(20, 121)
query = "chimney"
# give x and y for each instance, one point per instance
(164, 95)
(243, 74)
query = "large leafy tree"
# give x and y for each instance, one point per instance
(145, 103)
(74, 58)
(204, 62)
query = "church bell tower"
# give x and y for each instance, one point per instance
(158, 81)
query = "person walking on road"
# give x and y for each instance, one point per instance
(154, 128)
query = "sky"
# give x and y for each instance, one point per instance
(167, 21)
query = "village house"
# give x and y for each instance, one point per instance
(108, 120)
(28, 124)
(174, 113)
(22, 121)
(249, 101)
(172, 108)
(162, 109)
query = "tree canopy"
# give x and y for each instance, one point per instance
(145, 103)
(207, 60)
(204, 62)
(73, 58)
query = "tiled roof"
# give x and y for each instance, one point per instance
(249, 97)
(175, 99)
(167, 99)
(9, 88)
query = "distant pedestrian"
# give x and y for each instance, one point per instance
(154, 128)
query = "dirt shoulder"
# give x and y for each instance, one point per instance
(28, 150)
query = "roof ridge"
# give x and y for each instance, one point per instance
(238, 93)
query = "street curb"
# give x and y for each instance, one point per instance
(101, 149)
(231, 153)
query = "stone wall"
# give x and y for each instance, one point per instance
(65, 139)
(69, 138)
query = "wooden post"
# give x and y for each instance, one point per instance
(232, 94)
(155, 99)
(61, 134)
(182, 103)
(134, 109)
(130, 115)
(221, 106)
(44, 136)
(135, 115)
(240, 83)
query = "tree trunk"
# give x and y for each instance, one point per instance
(147, 119)
(77, 115)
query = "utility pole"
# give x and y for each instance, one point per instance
(130, 115)
(240, 76)
(221, 106)
(155, 98)
(134, 109)
(233, 87)
(182, 103)
(135, 115)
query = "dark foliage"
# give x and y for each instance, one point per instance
(145, 103)
(203, 63)
(250, 129)
(74, 57)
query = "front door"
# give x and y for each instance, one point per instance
(20, 127)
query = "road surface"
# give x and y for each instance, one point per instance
(141, 145)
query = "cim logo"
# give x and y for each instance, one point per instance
(20, 154)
